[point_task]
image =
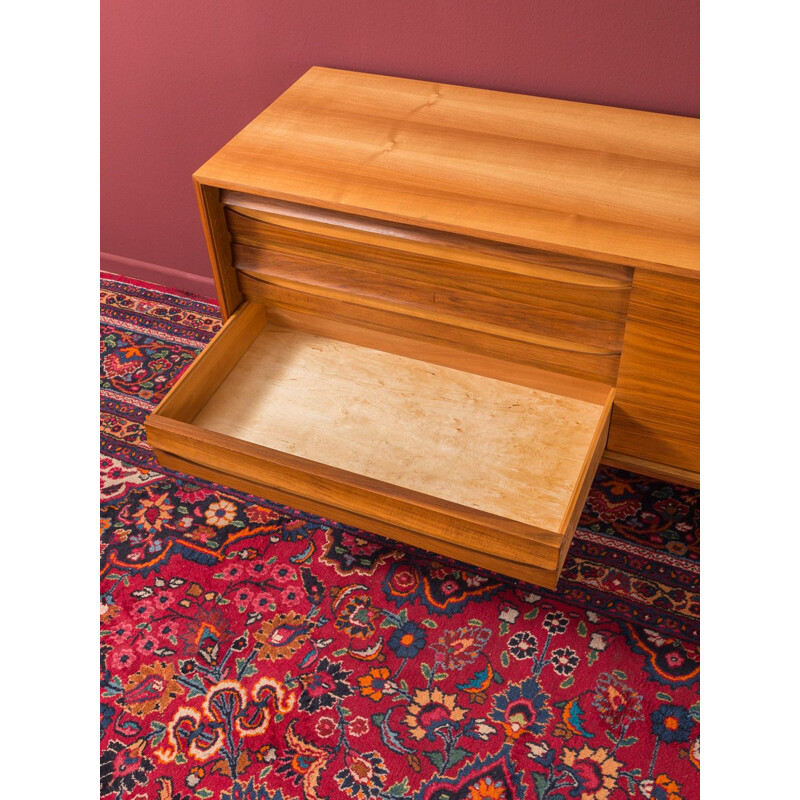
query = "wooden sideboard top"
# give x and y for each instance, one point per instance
(573, 178)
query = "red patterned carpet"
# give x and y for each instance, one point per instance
(254, 651)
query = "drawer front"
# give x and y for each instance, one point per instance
(568, 313)
(540, 576)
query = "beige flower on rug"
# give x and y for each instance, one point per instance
(220, 513)
(431, 710)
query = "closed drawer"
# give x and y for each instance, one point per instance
(562, 313)
(492, 472)
(657, 411)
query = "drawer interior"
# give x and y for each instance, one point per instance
(485, 461)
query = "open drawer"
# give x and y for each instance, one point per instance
(295, 408)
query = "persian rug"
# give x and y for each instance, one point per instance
(257, 652)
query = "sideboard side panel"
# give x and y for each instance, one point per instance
(656, 415)
(218, 240)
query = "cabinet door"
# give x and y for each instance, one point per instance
(656, 416)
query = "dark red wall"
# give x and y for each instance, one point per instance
(180, 77)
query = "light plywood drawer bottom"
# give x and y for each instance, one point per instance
(488, 471)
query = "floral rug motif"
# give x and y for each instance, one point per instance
(253, 651)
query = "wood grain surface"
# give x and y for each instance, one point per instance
(218, 241)
(505, 449)
(656, 415)
(554, 303)
(431, 516)
(457, 549)
(565, 177)
(664, 472)
(414, 242)
(438, 352)
(185, 399)
(591, 461)
(578, 360)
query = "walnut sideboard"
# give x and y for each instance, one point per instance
(443, 308)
